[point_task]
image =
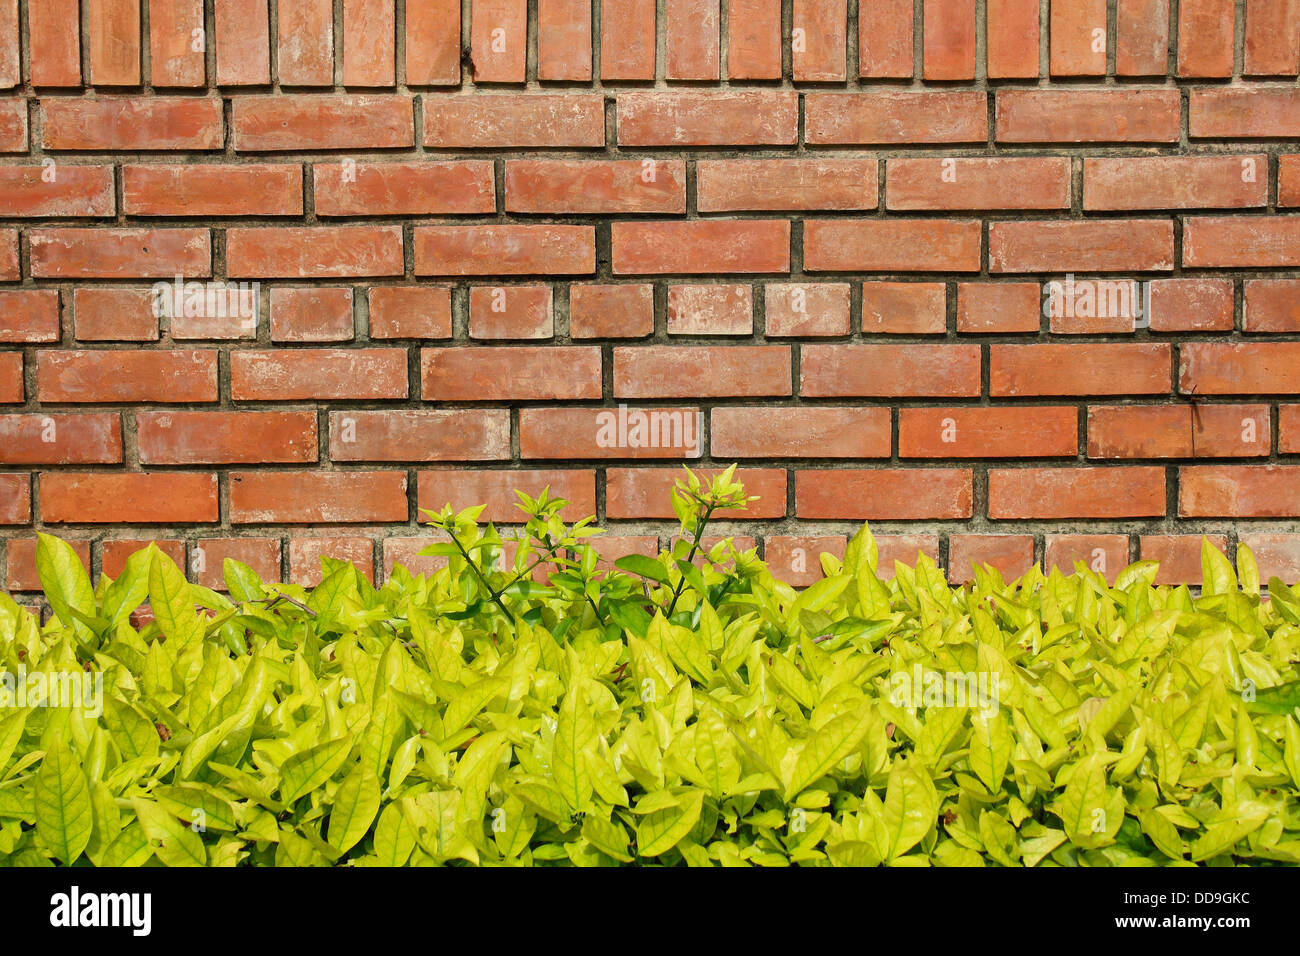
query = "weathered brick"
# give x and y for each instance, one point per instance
(1175, 182)
(499, 40)
(1240, 113)
(1271, 305)
(1064, 493)
(891, 245)
(114, 552)
(29, 316)
(1012, 38)
(369, 42)
(1205, 37)
(801, 432)
(11, 377)
(420, 435)
(1191, 305)
(121, 376)
(729, 185)
(136, 498)
(114, 315)
(701, 246)
(819, 38)
(1088, 116)
(1239, 368)
(511, 312)
(311, 315)
(117, 253)
(298, 375)
(505, 250)
(242, 42)
(1179, 555)
(1272, 47)
(710, 310)
(717, 118)
(696, 371)
(1129, 245)
(605, 433)
(611, 311)
(74, 191)
(587, 186)
(1077, 31)
(57, 438)
(317, 497)
(495, 489)
(806, 308)
(867, 119)
(410, 312)
(1020, 432)
(305, 51)
(948, 41)
(912, 371)
(885, 494)
(564, 40)
(1010, 554)
(160, 189)
(20, 562)
(958, 184)
(510, 373)
(1218, 242)
(403, 189)
(54, 44)
(433, 43)
(135, 123)
(1276, 555)
(691, 39)
(904, 308)
(1239, 491)
(999, 307)
(15, 499)
(1178, 431)
(1106, 554)
(1093, 369)
(513, 121)
(225, 438)
(322, 121)
(1142, 37)
(319, 252)
(753, 39)
(208, 558)
(632, 493)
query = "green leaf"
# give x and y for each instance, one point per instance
(64, 816)
(305, 771)
(355, 805)
(174, 843)
(65, 583)
(644, 566)
(660, 831)
(910, 810)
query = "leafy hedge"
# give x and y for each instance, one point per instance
(688, 709)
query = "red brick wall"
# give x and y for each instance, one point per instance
(826, 226)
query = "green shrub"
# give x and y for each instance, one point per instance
(688, 709)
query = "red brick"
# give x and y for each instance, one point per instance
(696, 371)
(410, 312)
(729, 185)
(710, 310)
(893, 245)
(796, 559)
(511, 312)
(483, 373)
(1288, 180)
(15, 499)
(1175, 182)
(513, 121)
(1191, 305)
(1012, 432)
(1119, 245)
(999, 307)
(1088, 116)
(1074, 492)
(29, 315)
(878, 371)
(11, 377)
(819, 41)
(1289, 429)
(225, 438)
(311, 315)
(1078, 37)
(1142, 37)
(54, 43)
(120, 253)
(433, 43)
(1093, 369)
(1011, 555)
(955, 184)
(56, 438)
(611, 311)
(305, 54)
(564, 40)
(627, 39)
(716, 118)
(305, 556)
(611, 547)
(905, 549)
(904, 308)
(499, 40)
(885, 39)
(1272, 46)
(1240, 113)
(1271, 305)
(1205, 37)
(173, 60)
(289, 375)
(754, 39)
(405, 553)
(9, 270)
(420, 435)
(10, 59)
(949, 39)
(885, 494)
(912, 118)
(1239, 491)
(132, 123)
(1239, 368)
(121, 376)
(1218, 242)
(495, 489)
(369, 42)
(801, 432)
(209, 190)
(208, 559)
(320, 252)
(646, 493)
(1106, 554)
(327, 497)
(114, 552)
(572, 187)
(505, 250)
(1012, 38)
(13, 126)
(114, 315)
(20, 562)
(322, 121)
(113, 27)
(216, 311)
(136, 498)
(1179, 555)
(1092, 306)
(1178, 431)
(806, 309)
(701, 246)
(691, 40)
(606, 433)
(242, 42)
(1277, 555)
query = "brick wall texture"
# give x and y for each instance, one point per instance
(1015, 280)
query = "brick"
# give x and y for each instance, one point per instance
(208, 559)
(311, 315)
(320, 252)
(904, 308)
(136, 498)
(56, 438)
(611, 547)
(134, 123)
(225, 438)
(173, 60)
(15, 499)
(1142, 37)
(1277, 555)
(1179, 555)
(13, 126)
(819, 52)
(10, 58)
(710, 310)
(514, 121)
(885, 39)
(729, 185)
(511, 312)
(701, 246)
(1239, 113)
(54, 43)
(611, 311)
(305, 48)
(796, 559)
(306, 554)
(1178, 431)
(510, 373)
(1078, 38)
(410, 312)
(420, 435)
(114, 315)
(632, 493)
(1239, 368)
(505, 250)
(948, 40)
(1088, 116)
(627, 39)
(29, 316)
(895, 245)
(1092, 306)
(1241, 241)
(499, 40)
(113, 27)
(433, 43)
(1205, 37)
(405, 553)
(1175, 182)
(1190, 305)
(11, 377)
(694, 371)
(878, 371)
(1011, 432)
(20, 562)
(885, 494)
(754, 39)
(806, 309)
(802, 432)
(322, 121)
(564, 40)
(1076, 492)
(867, 119)
(905, 549)
(329, 497)
(1011, 555)
(123, 376)
(114, 552)
(573, 187)
(1288, 429)
(1272, 46)
(999, 307)
(369, 42)
(9, 267)
(222, 311)
(1106, 554)
(1271, 305)
(495, 489)
(956, 184)
(1288, 180)
(242, 42)
(1132, 245)
(119, 253)
(1093, 369)
(692, 39)
(1239, 491)
(209, 190)
(606, 433)
(297, 375)
(717, 118)
(1012, 38)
